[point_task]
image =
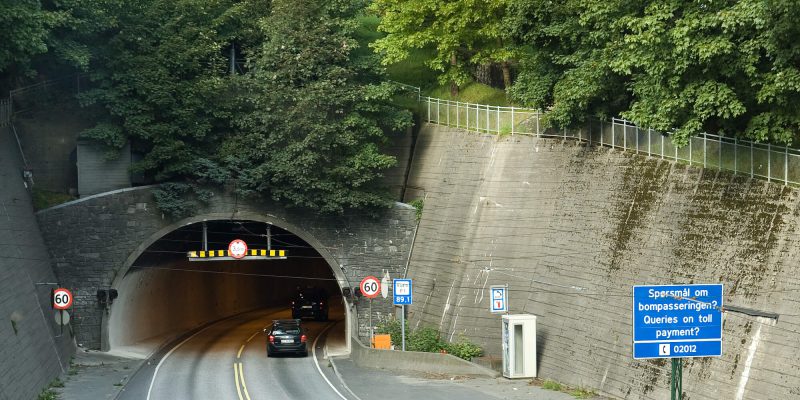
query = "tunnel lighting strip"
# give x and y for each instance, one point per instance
(252, 254)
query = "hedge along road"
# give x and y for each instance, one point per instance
(228, 360)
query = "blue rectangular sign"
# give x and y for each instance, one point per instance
(402, 292)
(677, 321)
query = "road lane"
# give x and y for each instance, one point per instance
(227, 360)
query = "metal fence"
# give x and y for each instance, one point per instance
(773, 163)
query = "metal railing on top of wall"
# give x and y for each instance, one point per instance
(774, 163)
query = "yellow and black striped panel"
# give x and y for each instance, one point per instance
(226, 253)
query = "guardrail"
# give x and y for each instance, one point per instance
(773, 163)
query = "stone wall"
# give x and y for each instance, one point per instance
(93, 242)
(33, 349)
(571, 228)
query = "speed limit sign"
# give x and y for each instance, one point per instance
(62, 299)
(370, 287)
(237, 248)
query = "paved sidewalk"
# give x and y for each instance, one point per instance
(369, 383)
(97, 375)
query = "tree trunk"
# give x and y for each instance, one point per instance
(453, 84)
(483, 74)
(506, 75)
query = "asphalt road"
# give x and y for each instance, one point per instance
(227, 360)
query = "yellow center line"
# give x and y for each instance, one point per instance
(244, 387)
(236, 376)
(252, 336)
(239, 355)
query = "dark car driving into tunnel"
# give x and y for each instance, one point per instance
(310, 302)
(286, 336)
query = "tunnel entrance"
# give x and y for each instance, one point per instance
(163, 294)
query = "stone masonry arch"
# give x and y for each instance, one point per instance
(95, 240)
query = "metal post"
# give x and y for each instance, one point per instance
(458, 117)
(438, 112)
(403, 326)
(512, 121)
(625, 136)
(662, 147)
(205, 237)
(735, 155)
(467, 127)
(371, 334)
(769, 162)
(487, 118)
(477, 117)
(705, 149)
(637, 139)
(498, 120)
(538, 115)
(613, 134)
(751, 159)
(429, 108)
(690, 151)
(649, 140)
(676, 384)
(269, 237)
(448, 113)
(785, 165)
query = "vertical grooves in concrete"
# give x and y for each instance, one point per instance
(30, 353)
(571, 228)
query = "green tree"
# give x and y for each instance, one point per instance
(162, 76)
(462, 33)
(315, 112)
(727, 67)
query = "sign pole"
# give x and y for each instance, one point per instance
(676, 384)
(403, 326)
(62, 321)
(371, 334)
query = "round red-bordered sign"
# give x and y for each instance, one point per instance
(237, 248)
(370, 287)
(62, 299)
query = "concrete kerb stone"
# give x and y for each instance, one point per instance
(415, 361)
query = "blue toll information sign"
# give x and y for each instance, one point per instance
(402, 292)
(671, 321)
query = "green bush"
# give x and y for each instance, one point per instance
(392, 327)
(427, 340)
(465, 349)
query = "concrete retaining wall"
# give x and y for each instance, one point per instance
(32, 349)
(570, 228)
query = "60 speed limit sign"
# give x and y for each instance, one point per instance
(370, 287)
(62, 299)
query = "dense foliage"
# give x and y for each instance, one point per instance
(301, 118)
(429, 340)
(728, 67)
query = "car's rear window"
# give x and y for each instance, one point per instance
(285, 331)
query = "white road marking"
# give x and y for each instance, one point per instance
(161, 362)
(751, 352)
(236, 377)
(244, 386)
(314, 355)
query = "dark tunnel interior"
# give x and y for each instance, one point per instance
(164, 294)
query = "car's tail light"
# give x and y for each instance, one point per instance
(303, 339)
(271, 339)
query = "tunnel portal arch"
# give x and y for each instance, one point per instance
(95, 240)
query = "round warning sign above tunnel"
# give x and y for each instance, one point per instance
(237, 248)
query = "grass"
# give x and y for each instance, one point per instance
(45, 199)
(47, 394)
(413, 71)
(472, 92)
(578, 393)
(57, 383)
